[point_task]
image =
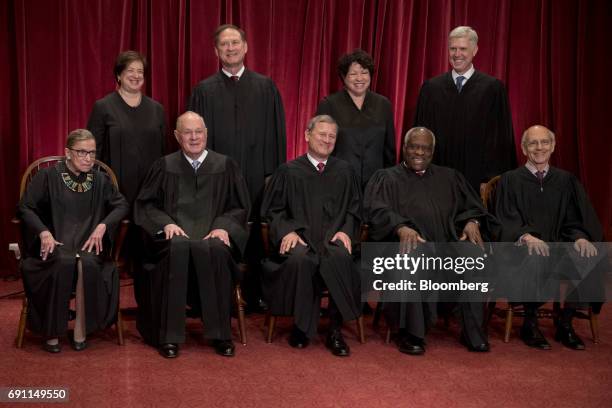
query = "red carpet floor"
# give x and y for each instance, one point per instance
(275, 375)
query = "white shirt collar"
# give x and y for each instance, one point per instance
(533, 168)
(465, 75)
(229, 74)
(200, 159)
(314, 161)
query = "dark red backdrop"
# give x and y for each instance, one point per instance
(58, 55)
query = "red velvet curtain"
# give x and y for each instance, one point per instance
(58, 57)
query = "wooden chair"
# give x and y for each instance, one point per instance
(30, 172)
(511, 310)
(270, 321)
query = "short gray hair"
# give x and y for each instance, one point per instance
(551, 134)
(464, 32)
(419, 129)
(320, 119)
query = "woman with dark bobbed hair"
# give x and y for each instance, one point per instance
(129, 127)
(68, 213)
(366, 136)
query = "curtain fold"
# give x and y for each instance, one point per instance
(552, 55)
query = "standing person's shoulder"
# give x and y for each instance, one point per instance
(438, 81)
(487, 80)
(257, 78)
(214, 79)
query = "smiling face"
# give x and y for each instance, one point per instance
(131, 78)
(538, 146)
(231, 49)
(321, 140)
(357, 79)
(461, 51)
(418, 149)
(191, 135)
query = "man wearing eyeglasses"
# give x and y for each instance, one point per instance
(194, 206)
(538, 204)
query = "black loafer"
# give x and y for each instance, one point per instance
(51, 348)
(298, 339)
(336, 344)
(412, 345)
(224, 348)
(533, 337)
(79, 345)
(169, 350)
(568, 337)
(477, 348)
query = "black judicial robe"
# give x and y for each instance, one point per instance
(129, 139)
(437, 205)
(473, 128)
(559, 210)
(245, 121)
(315, 206)
(71, 217)
(213, 197)
(366, 136)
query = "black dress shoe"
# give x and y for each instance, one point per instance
(409, 344)
(78, 345)
(478, 348)
(568, 337)
(336, 344)
(51, 348)
(224, 348)
(533, 337)
(298, 339)
(169, 350)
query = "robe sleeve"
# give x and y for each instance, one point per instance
(581, 220)
(514, 225)
(97, 126)
(470, 207)
(148, 207)
(275, 151)
(237, 207)
(115, 205)
(499, 149)
(352, 220)
(380, 200)
(324, 108)
(422, 115)
(390, 156)
(34, 203)
(275, 208)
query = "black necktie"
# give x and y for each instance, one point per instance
(540, 176)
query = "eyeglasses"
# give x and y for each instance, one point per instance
(83, 153)
(543, 143)
(414, 147)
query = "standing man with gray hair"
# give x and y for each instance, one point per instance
(469, 112)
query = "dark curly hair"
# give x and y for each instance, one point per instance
(359, 56)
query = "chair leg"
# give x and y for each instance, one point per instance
(23, 318)
(594, 320)
(241, 321)
(509, 314)
(271, 326)
(360, 330)
(119, 326)
(377, 313)
(388, 336)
